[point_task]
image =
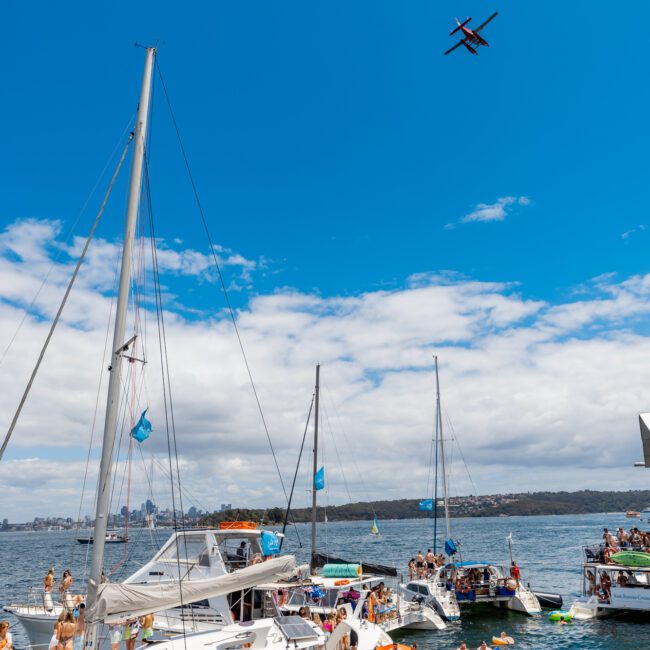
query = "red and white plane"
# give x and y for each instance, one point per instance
(471, 37)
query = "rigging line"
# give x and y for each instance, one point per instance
(221, 280)
(164, 360)
(193, 498)
(295, 476)
(336, 451)
(92, 429)
(161, 335)
(63, 302)
(462, 455)
(67, 240)
(347, 440)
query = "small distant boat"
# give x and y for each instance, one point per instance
(375, 527)
(112, 537)
(633, 514)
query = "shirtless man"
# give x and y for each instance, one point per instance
(419, 564)
(431, 562)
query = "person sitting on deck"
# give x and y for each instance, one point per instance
(242, 554)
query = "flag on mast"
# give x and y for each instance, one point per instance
(142, 429)
(319, 479)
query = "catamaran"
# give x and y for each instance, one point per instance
(453, 584)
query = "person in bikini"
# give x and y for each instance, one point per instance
(65, 632)
(48, 585)
(64, 589)
(54, 641)
(412, 569)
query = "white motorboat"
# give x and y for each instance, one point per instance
(613, 583)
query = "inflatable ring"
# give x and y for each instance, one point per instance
(497, 640)
(340, 583)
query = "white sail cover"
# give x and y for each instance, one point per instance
(644, 423)
(119, 601)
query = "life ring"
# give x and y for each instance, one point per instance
(497, 640)
(340, 583)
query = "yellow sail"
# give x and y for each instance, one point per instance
(375, 528)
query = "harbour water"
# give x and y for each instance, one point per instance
(548, 550)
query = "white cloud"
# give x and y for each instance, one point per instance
(628, 233)
(542, 396)
(496, 211)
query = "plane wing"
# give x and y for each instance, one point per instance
(482, 25)
(451, 49)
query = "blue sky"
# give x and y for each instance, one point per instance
(335, 140)
(374, 202)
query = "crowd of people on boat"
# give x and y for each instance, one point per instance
(328, 623)
(423, 566)
(634, 539)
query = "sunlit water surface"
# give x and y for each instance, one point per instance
(546, 548)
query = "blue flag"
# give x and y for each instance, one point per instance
(270, 543)
(426, 504)
(142, 429)
(319, 479)
(450, 547)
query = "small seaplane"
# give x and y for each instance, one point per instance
(471, 37)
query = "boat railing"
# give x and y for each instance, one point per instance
(598, 553)
(36, 600)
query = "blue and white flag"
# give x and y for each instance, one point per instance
(142, 429)
(426, 504)
(270, 543)
(319, 479)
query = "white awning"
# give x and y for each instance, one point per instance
(119, 601)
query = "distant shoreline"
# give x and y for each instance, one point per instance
(525, 504)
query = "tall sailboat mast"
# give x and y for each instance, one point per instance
(313, 478)
(435, 471)
(119, 344)
(445, 496)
